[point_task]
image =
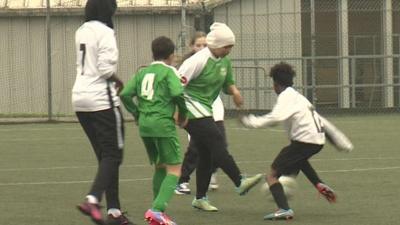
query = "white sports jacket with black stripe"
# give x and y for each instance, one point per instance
(97, 56)
(301, 121)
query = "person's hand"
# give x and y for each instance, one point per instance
(250, 121)
(238, 99)
(180, 120)
(183, 123)
(119, 86)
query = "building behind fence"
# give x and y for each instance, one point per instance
(346, 52)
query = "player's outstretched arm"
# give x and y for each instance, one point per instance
(252, 121)
(336, 137)
(237, 97)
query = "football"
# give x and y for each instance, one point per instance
(289, 187)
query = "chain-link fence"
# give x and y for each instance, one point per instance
(77, 3)
(346, 52)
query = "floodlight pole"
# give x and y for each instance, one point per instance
(183, 29)
(49, 75)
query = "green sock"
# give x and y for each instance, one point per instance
(158, 177)
(166, 192)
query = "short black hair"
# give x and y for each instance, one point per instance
(283, 74)
(162, 47)
(101, 10)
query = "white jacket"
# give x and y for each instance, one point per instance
(301, 121)
(97, 56)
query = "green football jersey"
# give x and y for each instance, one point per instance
(205, 76)
(158, 91)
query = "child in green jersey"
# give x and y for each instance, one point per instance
(189, 164)
(204, 75)
(158, 91)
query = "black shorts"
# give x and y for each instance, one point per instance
(291, 157)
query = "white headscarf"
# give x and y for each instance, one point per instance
(220, 36)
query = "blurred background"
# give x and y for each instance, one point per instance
(346, 52)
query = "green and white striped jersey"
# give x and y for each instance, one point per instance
(204, 76)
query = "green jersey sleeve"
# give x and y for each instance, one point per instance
(127, 95)
(176, 91)
(229, 80)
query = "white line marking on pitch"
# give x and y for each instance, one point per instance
(148, 179)
(43, 139)
(79, 128)
(67, 182)
(359, 169)
(39, 129)
(263, 129)
(340, 159)
(148, 165)
(63, 167)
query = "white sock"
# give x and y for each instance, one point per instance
(92, 199)
(114, 212)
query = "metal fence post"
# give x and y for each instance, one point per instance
(305, 75)
(49, 74)
(343, 45)
(183, 24)
(257, 86)
(387, 31)
(313, 52)
(353, 82)
(398, 70)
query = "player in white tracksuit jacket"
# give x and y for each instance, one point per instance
(306, 134)
(96, 104)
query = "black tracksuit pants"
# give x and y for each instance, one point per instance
(106, 134)
(212, 150)
(190, 160)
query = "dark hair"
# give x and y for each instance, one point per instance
(282, 74)
(101, 10)
(162, 47)
(196, 35)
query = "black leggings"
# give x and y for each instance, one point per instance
(106, 134)
(212, 152)
(191, 157)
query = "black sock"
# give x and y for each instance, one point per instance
(310, 173)
(279, 196)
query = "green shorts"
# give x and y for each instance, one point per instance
(163, 150)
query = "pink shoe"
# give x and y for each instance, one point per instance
(327, 192)
(93, 211)
(158, 218)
